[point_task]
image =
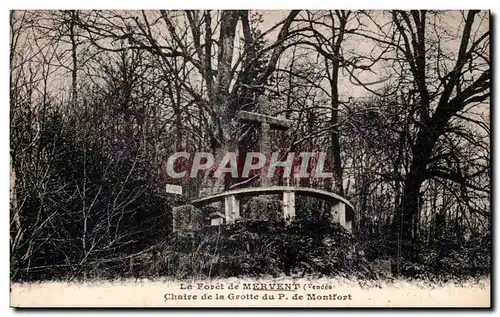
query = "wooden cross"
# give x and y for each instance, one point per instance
(267, 123)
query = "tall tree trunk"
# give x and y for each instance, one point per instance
(335, 102)
(223, 132)
(74, 47)
(223, 126)
(403, 222)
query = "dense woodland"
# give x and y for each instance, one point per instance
(99, 100)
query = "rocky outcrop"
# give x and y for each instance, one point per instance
(263, 208)
(187, 218)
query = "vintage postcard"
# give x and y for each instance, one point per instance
(250, 158)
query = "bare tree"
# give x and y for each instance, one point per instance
(448, 74)
(206, 47)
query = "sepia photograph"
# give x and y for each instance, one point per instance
(250, 158)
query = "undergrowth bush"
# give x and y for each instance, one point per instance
(254, 248)
(450, 259)
(311, 245)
